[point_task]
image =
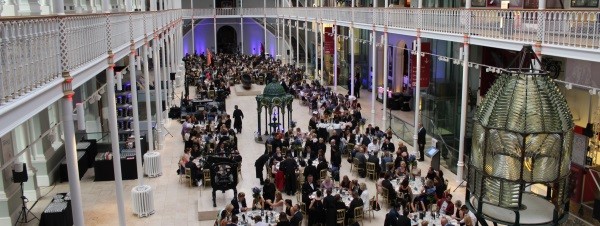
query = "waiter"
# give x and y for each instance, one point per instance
(238, 115)
(421, 142)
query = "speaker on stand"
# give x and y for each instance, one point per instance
(172, 77)
(20, 176)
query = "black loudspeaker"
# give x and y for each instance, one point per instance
(288, 52)
(589, 130)
(172, 76)
(20, 177)
(596, 213)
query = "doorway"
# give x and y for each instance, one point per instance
(227, 40)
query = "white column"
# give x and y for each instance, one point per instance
(136, 117)
(158, 92)
(290, 41)
(305, 42)
(106, 6)
(316, 30)
(71, 156)
(418, 82)
(265, 25)
(283, 45)
(322, 71)
(278, 39)
(297, 41)
(128, 5)
(59, 7)
(114, 137)
(215, 26)
(163, 80)
(374, 73)
(335, 58)
(242, 30)
(385, 78)
(193, 29)
(352, 74)
(463, 106)
(146, 60)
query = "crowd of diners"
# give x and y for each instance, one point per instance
(307, 164)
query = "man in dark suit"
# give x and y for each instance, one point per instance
(260, 165)
(421, 142)
(388, 146)
(289, 167)
(312, 123)
(296, 216)
(269, 190)
(362, 163)
(322, 165)
(356, 202)
(403, 220)
(373, 159)
(392, 217)
(310, 170)
(329, 206)
(307, 189)
(239, 203)
(386, 183)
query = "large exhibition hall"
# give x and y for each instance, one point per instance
(299, 112)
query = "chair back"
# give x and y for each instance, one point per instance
(206, 173)
(358, 213)
(389, 165)
(370, 166)
(323, 174)
(340, 216)
(350, 147)
(384, 193)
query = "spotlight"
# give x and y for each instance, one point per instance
(476, 66)
(98, 97)
(92, 100)
(101, 91)
(593, 91)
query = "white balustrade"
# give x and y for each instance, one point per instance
(30, 52)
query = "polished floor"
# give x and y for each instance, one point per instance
(178, 204)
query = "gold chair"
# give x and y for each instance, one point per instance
(340, 217)
(354, 167)
(384, 194)
(188, 176)
(300, 182)
(269, 149)
(349, 149)
(371, 171)
(303, 210)
(299, 196)
(370, 209)
(284, 151)
(323, 174)
(206, 173)
(358, 214)
(211, 94)
(389, 166)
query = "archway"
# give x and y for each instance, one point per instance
(227, 40)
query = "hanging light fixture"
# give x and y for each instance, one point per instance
(522, 135)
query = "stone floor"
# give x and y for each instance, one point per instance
(178, 204)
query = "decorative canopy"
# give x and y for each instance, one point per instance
(276, 103)
(274, 95)
(522, 135)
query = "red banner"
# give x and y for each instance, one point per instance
(425, 66)
(328, 40)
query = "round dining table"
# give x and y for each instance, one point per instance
(247, 218)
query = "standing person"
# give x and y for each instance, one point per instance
(289, 167)
(259, 165)
(238, 115)
(421, 142)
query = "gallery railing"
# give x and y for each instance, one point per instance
(35, 51)
(552, 27)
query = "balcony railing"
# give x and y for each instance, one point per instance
(31, 53)
(562, 28)
(36, 50)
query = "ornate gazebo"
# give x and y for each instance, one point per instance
(275, 102)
